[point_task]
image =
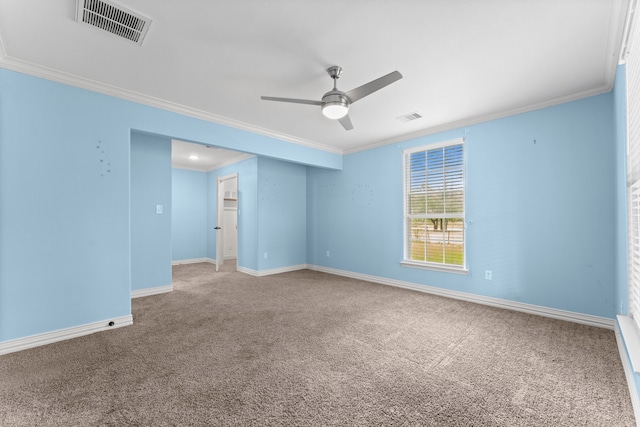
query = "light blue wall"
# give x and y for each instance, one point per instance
(69, 209)
(150, 231)
(545, 215)
(189, 220)
(247, 171)
(271, 213)
(64, 207)
(540, 196)
(282, 214)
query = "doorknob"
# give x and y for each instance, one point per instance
(217, 228)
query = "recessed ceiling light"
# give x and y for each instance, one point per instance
(193, 157)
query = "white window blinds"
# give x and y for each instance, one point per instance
(633, 169)
(434, 204)
(634, 251)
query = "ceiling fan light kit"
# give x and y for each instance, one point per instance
(334, 109)
(335, 103)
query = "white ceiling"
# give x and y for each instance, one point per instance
(463, 61)
(204, 158)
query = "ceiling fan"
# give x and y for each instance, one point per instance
(335, 103)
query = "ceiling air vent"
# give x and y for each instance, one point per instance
(113, 18)
(409, 117)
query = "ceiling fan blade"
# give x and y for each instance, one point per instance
(372, 86)
(293, 100)
(346, 122)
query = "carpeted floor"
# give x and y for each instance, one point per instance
(311, 349)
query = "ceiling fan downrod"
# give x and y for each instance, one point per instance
(334, 73)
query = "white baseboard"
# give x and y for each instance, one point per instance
(246, 270)
(199, 260)
(259, 273)
(151, 291)
(628, 371)
(193, 261)
(63, 334)
(586, 319)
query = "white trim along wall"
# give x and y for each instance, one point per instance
(138, 293)
(63, 334)
(585, 319)
(628, 371)
(193, 261)
(51, 337)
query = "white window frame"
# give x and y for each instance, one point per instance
(406, 262)
(630, 324)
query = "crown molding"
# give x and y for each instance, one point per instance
(626, 31)
(94, 86)
(3, 53)
(47, 73)
(485, 118)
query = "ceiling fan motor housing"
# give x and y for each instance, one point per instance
(335, 104)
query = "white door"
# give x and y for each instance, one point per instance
(230, 228)
(222, 226)
(219, 226)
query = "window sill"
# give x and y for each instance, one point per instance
(434, 267)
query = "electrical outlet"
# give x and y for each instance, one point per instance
(488, 275)
(328, 254)
(266, 255)
(158, 209)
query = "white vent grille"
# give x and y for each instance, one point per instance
(408, 117)
(113, 18)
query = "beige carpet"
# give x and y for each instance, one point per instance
(312, 349)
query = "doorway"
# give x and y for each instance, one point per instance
(227, 219)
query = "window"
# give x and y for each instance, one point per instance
(630, 325)
(634, 251)
(434, 187)
(633, 171)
